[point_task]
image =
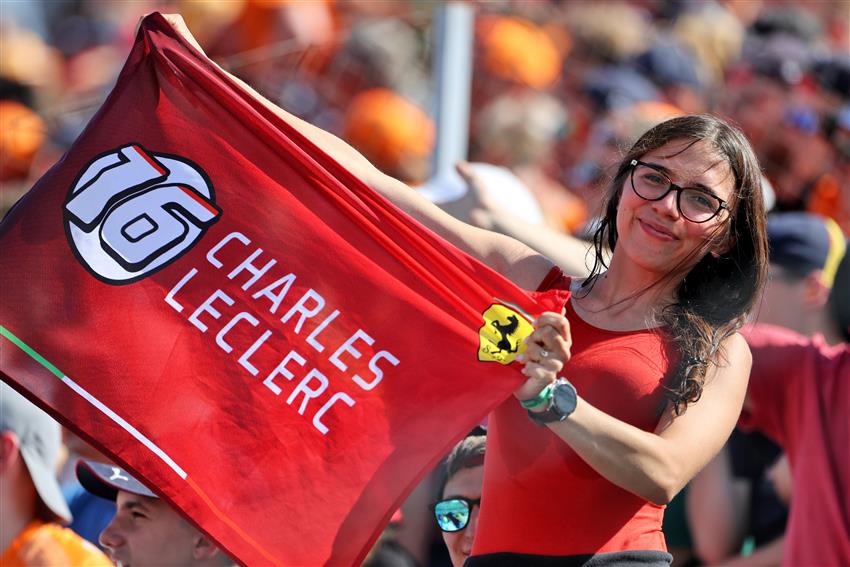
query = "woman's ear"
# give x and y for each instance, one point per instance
(723, 248)
(723, 243)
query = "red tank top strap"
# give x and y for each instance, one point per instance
(555, 279)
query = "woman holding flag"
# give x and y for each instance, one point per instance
(638, 382)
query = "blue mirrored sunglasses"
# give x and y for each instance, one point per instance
(453, 514)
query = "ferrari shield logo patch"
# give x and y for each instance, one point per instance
(501, 337)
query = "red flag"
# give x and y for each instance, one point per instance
(274, 348)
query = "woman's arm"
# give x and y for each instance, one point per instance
(568, 252)
(511, 258)
(653, 465)
(718, 510)
(508, 256)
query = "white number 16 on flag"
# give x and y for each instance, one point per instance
(131, 212)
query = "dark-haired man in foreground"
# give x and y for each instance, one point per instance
(145, 530)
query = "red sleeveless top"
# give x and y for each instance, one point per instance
(539, 496)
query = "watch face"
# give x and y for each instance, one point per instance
(563, 404)
(564, 398)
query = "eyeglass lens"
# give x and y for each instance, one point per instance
(453, 514)
(694, 204)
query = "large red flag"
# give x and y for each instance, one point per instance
(277, 350)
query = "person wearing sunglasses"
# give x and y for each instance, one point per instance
(457, 509)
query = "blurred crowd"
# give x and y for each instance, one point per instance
(559, 90)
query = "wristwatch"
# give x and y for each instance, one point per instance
(563, 403)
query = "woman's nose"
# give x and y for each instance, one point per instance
(668, 205)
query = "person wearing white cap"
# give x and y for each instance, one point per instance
(145, 530)
(31, 502)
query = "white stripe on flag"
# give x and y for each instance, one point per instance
(127, 427)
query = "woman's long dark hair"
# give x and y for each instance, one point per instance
(715, 296)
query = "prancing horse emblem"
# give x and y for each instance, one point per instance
(501, 338)
(504, 343)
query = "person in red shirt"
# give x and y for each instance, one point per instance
(740, 494)
(799, 395)
(654, 334)
(650, 333)
(663, 372)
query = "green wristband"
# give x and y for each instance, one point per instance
(543, 398)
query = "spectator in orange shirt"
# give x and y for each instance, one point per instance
(32, 506)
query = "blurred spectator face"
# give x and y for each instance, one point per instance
(714, 35)
(757, 104)
(520, 129)
(804, 253)
(466, 483)
(793, 160)
(784, 295)
(147, 532)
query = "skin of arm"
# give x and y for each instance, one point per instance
(514, 260)
(568, 252)
(718, 514)
(653, 465)
(717, 510)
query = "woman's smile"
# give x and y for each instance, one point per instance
(656, 230)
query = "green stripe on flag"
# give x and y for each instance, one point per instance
(24, 347)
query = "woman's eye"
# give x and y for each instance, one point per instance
(655, 179)
(701, 200)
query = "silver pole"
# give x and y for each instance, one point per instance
(453, 40)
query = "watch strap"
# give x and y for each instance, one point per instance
(541, 399)
(554, 413)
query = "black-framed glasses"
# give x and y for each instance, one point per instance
(695, 204)
(453, 514)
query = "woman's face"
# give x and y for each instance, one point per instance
(654, 235)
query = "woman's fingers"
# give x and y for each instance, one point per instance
(473, 181)
(556, 321)
(535, 383)
(547, 342)
(546, 370)
(547, 349)
(554, 349)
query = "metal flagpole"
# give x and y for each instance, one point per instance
(453, 38)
